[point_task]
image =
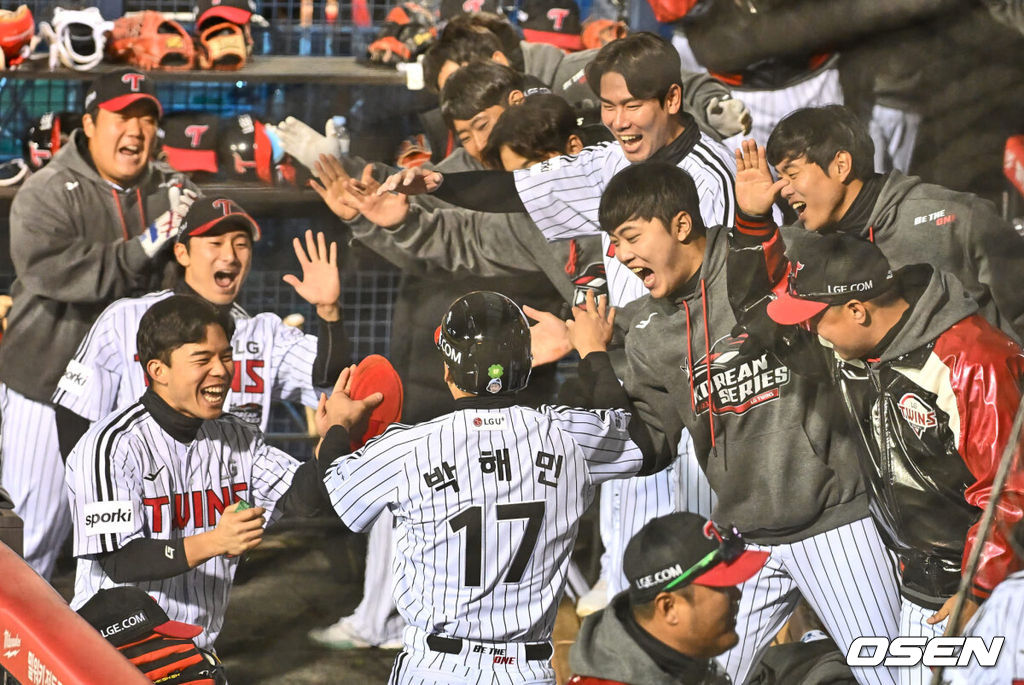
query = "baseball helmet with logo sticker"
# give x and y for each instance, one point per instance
(485, 341)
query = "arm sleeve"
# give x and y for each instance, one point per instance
(145, 559)
(455, 241)
(104, 485)
(987, 396)
(482, 191)
(52, 256)
(272, 475)
(360, 485)
(733, 39)
(602, 436)
(333, 352)
(292, 360)
(563, 194)
(307, 495)
(997, 253)
(90, 381)
(602, 389)
(70, 429)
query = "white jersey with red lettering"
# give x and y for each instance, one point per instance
(563, 194)
(272, 362)
(487, 503)
(127, 478)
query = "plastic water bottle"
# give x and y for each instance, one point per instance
(341, 133)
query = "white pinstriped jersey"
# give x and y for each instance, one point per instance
(128, 479)
(487, 505)
(272, 362)
(1000, 615)
(563, 194)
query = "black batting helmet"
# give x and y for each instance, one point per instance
(485, 340)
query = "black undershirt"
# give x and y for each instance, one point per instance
(855, 221)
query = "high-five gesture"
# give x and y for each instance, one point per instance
(321, 282)
(333, 177)
(756, 191)
(387, 209)
(591, 327)
(341, 410)
(414, 181)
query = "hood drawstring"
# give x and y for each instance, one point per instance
(571, 263)
(871, 234)
(707, 363)
(120, 212)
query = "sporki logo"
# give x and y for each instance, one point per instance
(101, 518)
(911, 651)
(919, 415)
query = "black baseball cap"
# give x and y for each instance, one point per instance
(668, 546)
(126, 614)
(215, 214)
(119, 89)
(236, 11)
(552, 21)
(837, 268)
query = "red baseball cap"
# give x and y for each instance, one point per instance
(119, 89)
(236, 11)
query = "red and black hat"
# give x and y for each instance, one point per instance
(119, 89)
(190, 141)
(213, 215)
(126, 614)
(47, 135)
(236, 11)
(552, 21)
(688, 547)
(837, 269)
(244, 151)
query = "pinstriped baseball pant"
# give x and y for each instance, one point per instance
(32, 471)
(847, 577)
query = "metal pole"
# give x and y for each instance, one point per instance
(986, 524)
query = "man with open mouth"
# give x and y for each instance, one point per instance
(87, 229)
(167, 493)
(826, 158)
(272, 361)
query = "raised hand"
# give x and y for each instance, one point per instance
(333, 192)
(756, 190)
(549, 338)
(321, 282)
(591, 328)
(306, 145)
(387, 209)
(414, 181)
(341, 410)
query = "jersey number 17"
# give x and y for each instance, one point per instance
(471, 520)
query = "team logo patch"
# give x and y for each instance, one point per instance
(593, 279)
(76, 377)
(736, 384)
(251, 412)
(917, 413)
(102, 518)
(489, 422)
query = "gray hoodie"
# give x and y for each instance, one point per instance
(914, 222)
(73, 255)
(782, 466)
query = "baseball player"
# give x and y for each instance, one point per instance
(85, 230)
(487, 501)
(786, 475)
(637, 80)
(155, 488)
(273, 361)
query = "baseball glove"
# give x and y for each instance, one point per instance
(16, 32)
(223, 46)
(408, 31)
(149, 40)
